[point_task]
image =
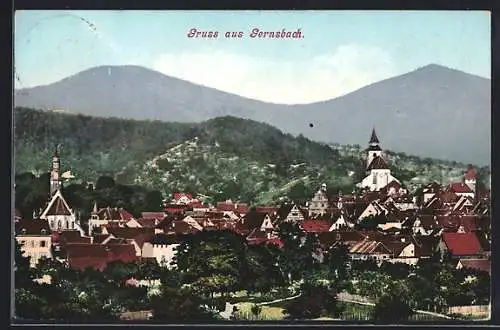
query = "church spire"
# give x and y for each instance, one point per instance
(374, 138)
(55, 181)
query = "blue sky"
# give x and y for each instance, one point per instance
(341, 51)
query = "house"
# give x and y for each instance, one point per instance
(430, 190)
(470, 178)
(59, 215)
(373, 209)
(369, 249)
(316, 226)
(257, 237)
(461, 189)
(319, 203)
(464, 204)
(98, 256)
(483, 265)
(134, 236)
(254, 220)
(340, 222)
(108, 215)
(172, 209)
(162, 248)
(290, 212)
(343, 235)
(394, 188)
(143, 223)
(180, 198)
(460, 245)
(35, 239)
(403, 249)
(377, 170)
(238, 208)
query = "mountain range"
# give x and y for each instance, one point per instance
(433, 111)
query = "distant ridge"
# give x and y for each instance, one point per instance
(433, 111)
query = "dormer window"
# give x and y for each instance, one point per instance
(43, 232)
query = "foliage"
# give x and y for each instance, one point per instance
(315, 301)
(391, 308)
(212, 261)
(174, 305)
(223, 158)
(296, 259)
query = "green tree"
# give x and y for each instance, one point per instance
(296, 259)
(174, 305)
(315, 301)
(391, 308)
(153, 201)
(212, 261)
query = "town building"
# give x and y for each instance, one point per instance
(377, 170)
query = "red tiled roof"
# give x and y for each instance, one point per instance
(58, 208)
(266, 209)
(100, 238)
(316, 226)
(483, 265)
(148, 223)
(153, 215)
(97, 256)
(32, 227)
(179, 195)
(139, 235)
(378, 163)
(460, 188)
(110, 213)
(125, 215)
(72, 236)
(462, 244)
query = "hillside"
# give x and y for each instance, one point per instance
(222, 158)
(453, 106)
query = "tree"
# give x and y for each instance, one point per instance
(104, 182)
(296, 259)
(262, 272)
(174, 305)
(153, 201)
(391, 308)
(212, 261)
(315, 301)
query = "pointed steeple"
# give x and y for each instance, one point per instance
(374, 138)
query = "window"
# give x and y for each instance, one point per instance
(294, 214)
(23, 231)
(42, 243)
(52, 224)
(22, 242)
(32, 244)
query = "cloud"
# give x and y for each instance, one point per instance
(347, 68)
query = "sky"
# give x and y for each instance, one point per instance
(339, 52)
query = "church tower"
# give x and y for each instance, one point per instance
(374, 149)
(55, 179)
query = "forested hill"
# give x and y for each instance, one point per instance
(221, 158)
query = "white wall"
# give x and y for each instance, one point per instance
(162, 253)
